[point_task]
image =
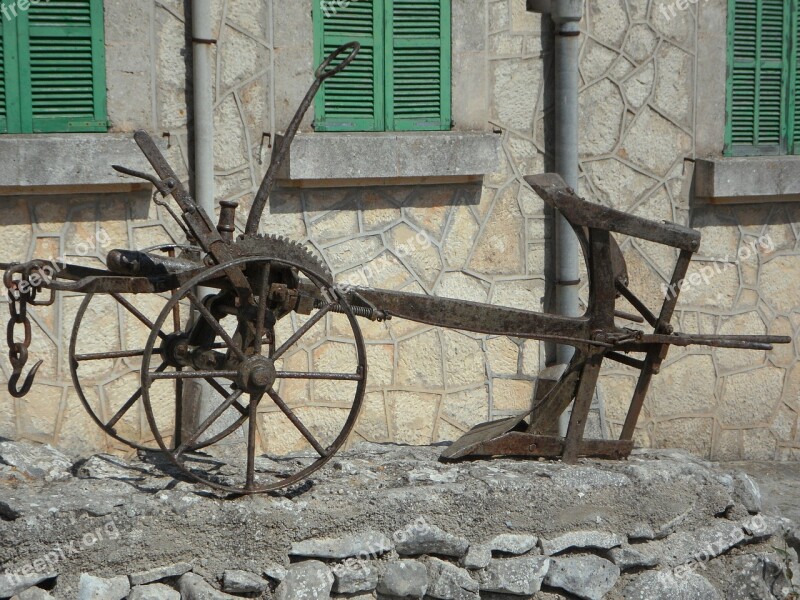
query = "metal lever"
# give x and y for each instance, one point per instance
(160, 185)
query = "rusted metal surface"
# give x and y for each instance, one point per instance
(225, 297)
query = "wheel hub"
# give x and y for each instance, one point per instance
(256, 374)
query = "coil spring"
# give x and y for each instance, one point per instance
(358, 311)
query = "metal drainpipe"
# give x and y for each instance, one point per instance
(199, 397)
(566, 15)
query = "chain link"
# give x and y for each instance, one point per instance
(18, 350)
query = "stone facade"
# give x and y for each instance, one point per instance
(479, 241)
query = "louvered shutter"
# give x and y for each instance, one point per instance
(759, 77)
(63, 67)
(353, 99)
(3, 110)
(794, 86)
(418, 65)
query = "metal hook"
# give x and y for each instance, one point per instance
(18, 362)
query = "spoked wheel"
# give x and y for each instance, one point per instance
(251, 372)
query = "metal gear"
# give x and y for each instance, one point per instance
(281, 247)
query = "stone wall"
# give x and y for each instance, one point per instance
(481, 242)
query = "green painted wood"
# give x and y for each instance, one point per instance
(793, 133)
(3, 110)
(759, 77)
(418, 65)
(54, 67)
(352, 100)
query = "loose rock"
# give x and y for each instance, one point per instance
(40, 461)
(626, 557)
(700, 544)
(309, 580)
(242, 582)
(275, 572)
(581, 539)
(589, 577)
(518, 576)
(194, 587)
(448, 582)
(157, 574)
(510, 543)
(364, 545)
(13, 583)
(664, 585)
(758, 577)
(478, 557)
(95, 588)
(354, 577)
(104, 466)
(746, 491)
(431, 540)
(404, 579)
(154, 591)
(33, 593)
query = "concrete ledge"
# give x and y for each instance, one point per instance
(68, 163)
(348, 156)
(747, 179)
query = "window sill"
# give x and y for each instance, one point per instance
(68, 163)
(747, 180)
(338, 158)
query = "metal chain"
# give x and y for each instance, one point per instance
(18, 350)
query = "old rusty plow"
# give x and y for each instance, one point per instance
(225, 297)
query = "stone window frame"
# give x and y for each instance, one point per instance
(75, 163)
(719, 179)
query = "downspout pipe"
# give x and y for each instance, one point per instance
(566, 15)
(203, 105)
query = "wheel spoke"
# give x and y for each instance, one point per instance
(314, 375)
(208, 423)
(251, 440)
(130, 402)
(110, 355)
(302, 331)
(136, 313)
(296, 422)
(192, 374)
(262, 307)
(215, 325)
(224, 393)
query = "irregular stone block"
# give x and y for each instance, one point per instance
(194, 587)
(404, 579)
(275, 572)
(13, 583)
(589, 577)
(309, 580)
(517, 576)
(581, 539)
(242, 582)
(368, 544)
(762, 527)
(746, 491)
(159, 573)
(34, 593)
(699, 545)
(511, 543)
(478, 557)
(40, 461)
(448, 582)
(628, 557)
(431, 540)
(104, 466)
(664, 585)
(154, 591)
(353, 577)
(758, 577)
(95, 588)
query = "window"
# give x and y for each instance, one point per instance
(400, 80)
(763, 116)
(52, 67)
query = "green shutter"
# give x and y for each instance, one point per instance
(794, 85)
(3, 113)
(758, 79)
(353, 99)
(418, 65)
(62, 57)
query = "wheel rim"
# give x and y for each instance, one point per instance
(249, 484)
